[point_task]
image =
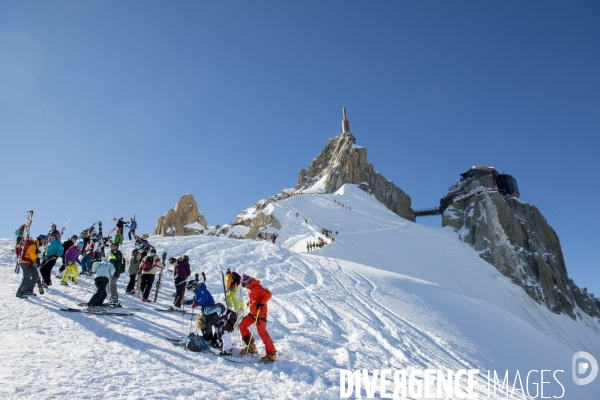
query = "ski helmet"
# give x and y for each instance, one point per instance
(246, 280)
(80, 244)
(192, 285)
(43, 238)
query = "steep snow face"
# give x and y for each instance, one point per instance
(386, 293)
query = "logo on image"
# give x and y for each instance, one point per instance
(584, 363)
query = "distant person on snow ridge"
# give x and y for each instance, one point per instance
(132, 228)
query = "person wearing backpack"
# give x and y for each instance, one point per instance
(148, 268)
(87, 234)
(28, 258)
(134, 267)
(72, 258)
(116, 258)
(104, 270)
(232, 282)
(19, 233)
(181, 271)
(258, 297)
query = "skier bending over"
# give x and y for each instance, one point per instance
(223, 321)
(258, 297)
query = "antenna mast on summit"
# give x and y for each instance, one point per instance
(345, 122)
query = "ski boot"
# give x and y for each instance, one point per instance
(64, 283)
(250, 350)
(226, 352)
(269, 357)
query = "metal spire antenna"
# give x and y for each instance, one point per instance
(345, 122)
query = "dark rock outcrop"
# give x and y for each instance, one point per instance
(515, 237)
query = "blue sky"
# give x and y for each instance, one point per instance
(110, 108)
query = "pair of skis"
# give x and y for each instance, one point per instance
(238, 358)
(164, 258)
(97, 312)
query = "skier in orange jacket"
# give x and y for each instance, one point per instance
(257, 303)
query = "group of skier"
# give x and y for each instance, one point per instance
(216, 322)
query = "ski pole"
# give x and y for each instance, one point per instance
(250, 341)
(191, 318)
(182, 319)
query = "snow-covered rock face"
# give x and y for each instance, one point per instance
(183, 220)
(516, 238)
(341, 162)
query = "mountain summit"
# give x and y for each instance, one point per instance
(341, 162)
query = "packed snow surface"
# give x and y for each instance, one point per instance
(385, 294)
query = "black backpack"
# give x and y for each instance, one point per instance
(236, 278)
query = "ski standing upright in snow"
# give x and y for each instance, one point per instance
(164, 258)
(62, 230)
(23, 243)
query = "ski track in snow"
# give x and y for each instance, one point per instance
(389, 299)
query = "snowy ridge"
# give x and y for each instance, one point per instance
(396, 297)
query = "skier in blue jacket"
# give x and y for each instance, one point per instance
(202, 297)
(132, 228)
(53, 251)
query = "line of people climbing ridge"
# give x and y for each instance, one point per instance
(342, 205)
(215, 322)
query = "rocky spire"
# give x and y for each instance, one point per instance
(341, 162)
(183, 220)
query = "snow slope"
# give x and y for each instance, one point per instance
(387, 293)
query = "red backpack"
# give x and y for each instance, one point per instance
(148, 263)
